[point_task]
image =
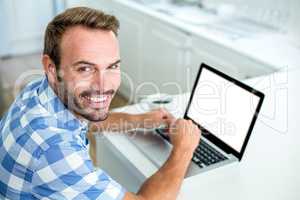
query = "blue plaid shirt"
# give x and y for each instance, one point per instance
(43, 154)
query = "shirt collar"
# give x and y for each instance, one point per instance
(50, 101)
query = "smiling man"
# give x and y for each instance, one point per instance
(43, 134)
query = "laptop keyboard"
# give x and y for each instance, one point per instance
(205, 155)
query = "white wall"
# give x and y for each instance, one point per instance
(4, 32)
(23, 25)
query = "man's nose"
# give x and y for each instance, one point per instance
(99, 81)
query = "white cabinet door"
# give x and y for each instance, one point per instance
(163, 59)
(202, 51)
(230, 62)
(23, 24)
(220, 57)
(131, 39)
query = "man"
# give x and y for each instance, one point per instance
(42, 143)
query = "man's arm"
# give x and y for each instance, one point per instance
(166, 182)
(117, 122)
(184, 135)
(122, 122)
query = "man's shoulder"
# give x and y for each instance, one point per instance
(26, 140)
(39, 125)
(30, 128)
(33, 129)
(25, 103)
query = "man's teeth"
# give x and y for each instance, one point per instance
(98, 98)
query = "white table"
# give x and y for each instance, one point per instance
(270, 166)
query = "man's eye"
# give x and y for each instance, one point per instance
(85, 69)
(116, 66)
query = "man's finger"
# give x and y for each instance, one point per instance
(171, 118)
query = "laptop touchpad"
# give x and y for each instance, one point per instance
(152, 145)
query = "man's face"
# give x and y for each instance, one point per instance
(89, 71)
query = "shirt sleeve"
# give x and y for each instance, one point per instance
(65, 171)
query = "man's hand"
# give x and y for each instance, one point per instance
(165, 183)
(185, 136)
(122, 122)
(155, 118)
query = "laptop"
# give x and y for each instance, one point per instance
(225, 110)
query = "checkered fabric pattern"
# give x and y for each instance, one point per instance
(43, 153)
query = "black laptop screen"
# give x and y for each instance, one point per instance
(223, 107)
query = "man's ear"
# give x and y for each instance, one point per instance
(49, 68)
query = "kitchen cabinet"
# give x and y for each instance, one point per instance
(158, 56)
(201, 51)
(153, 55)
(225, 60)
(131, 40)
(163, 59)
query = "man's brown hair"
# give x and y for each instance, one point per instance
(79, 16)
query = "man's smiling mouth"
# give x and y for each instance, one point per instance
(96, 98)
(96, 101)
